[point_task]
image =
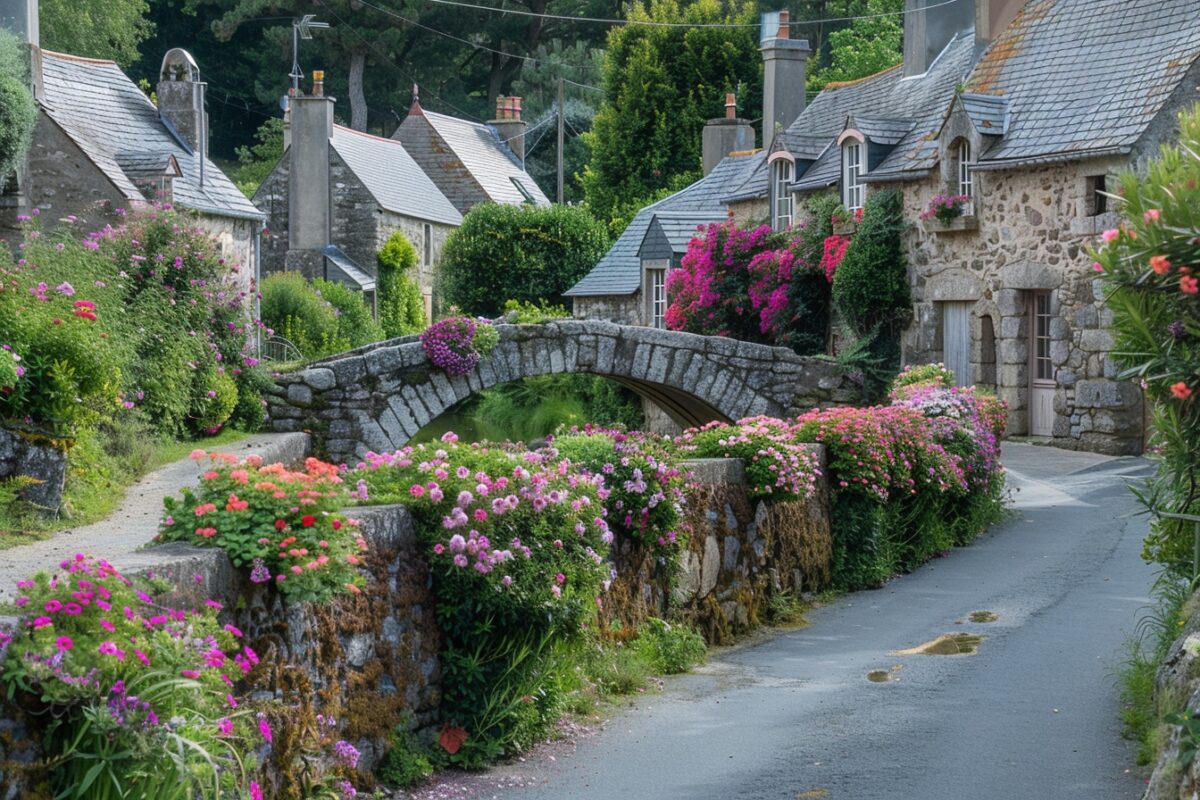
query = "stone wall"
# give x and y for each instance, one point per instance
(623, 309)
(1177, 685)
(740, 553)
(377, 398)
(36, 457)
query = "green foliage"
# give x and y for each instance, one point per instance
(535, 407)
(524, 312)
(17, 109)
(870, 288)
(401, 307)
(660, 86)
(932, 374)
(355, 324)
(670, 649)
(321, 318)
(868, 45)
(517, 252)
(251, 410)
(256, 161)
(1148, 268)
(96, 28)
(405, 762)
(214, 396)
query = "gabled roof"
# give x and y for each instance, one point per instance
(882, 130)
(1085, 77)
(490, 161)
(115, 124)
(619, 272)
(680, 226)
(392, 177)
(346, 271)
(988, 113)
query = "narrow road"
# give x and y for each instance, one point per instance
(1034, 715)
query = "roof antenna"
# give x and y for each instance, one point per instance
(301, 29)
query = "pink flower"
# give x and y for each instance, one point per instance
(417, 490)
(64, 643)
(1181, 391)
(1110, 234)
(264, 729)
(1152, 215)
(225, 727)
(255, 791)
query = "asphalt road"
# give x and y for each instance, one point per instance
(1032, 716)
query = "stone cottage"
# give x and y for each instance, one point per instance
(338, 194)
(470, 162)
(1028, 109)
(101, 146)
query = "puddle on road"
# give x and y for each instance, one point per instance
(950, 644)
(984, 616)
(813, 794)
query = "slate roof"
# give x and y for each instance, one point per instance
(392, 177)
(680, 226)
(490, 161)
(619, 272)
(988, 113)
(1085, 77)
(346, 270)
(114, 123)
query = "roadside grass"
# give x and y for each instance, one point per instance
(101, 466)
(1143, 714)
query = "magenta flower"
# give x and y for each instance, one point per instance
(264, 728)
(64, 643)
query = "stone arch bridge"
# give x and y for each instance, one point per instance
(377, 397)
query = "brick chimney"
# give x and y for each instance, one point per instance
(181, 102)
(725, 135)
(784, 60)
(927, 30)
(310, 217)
(509, 125)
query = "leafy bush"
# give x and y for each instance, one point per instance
(355, 323)
(136, 690)
(670, 649)
(456, 344)
(522, 253)
(1149, 269)
(516, 543)
(643, 487)
(405, 762)
(401, 307)
(870, 288)
(933, 374)
(525, 312)
(18, 113)
(777, 467)
(535, 407)
(281, 523)
(321, 318)
(214, 396)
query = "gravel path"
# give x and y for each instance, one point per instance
(135, 522)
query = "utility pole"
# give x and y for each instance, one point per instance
(561, 120)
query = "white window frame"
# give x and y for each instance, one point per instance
(655, 284)
(966, 175)
(781, 194)
(853, 169)
(427, 245)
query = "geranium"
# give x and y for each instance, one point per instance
(946, 208)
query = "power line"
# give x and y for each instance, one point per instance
(476, 45)
(582, 85)
(656, 24)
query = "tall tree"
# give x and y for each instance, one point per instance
(865, 46)
(95, 28)
(661, 85)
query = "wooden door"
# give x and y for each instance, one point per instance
(1041, 368)
(956, 338)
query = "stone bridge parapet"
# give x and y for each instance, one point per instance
(377, 397)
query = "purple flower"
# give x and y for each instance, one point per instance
(1177, 329)
(66, 289)
(346, 754)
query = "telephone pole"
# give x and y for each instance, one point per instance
(561, 120)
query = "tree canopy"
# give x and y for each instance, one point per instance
(96, 28)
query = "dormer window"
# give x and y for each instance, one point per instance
(853, 168)
(966, 176)
(781, 194)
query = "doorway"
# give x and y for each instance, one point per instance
(956, 339)
(1041, 368)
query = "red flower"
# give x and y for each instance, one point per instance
(1188, 285)
(451, 738)
(280, 524)
(1181, 390)
(308, 520)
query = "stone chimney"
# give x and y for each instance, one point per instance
(725, 135)
(927, 31)
(181, 102)
(992, 17)
(783, 77)
(310, 217)
(509, 125)
(20, 17)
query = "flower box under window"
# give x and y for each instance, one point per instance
(965, 222)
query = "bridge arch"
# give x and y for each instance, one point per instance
(377, 397)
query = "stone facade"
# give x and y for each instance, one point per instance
(24, 455)
(361, 225)
(378, 397)
(623, 309)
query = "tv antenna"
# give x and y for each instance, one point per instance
(301, 29)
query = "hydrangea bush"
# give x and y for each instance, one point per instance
(280, 524)
(456, 344)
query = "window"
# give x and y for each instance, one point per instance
(427, 245)
(782, 194)
(654, 286)
(1096, 199)
(852, 172)
(966, 178)
(525, 193)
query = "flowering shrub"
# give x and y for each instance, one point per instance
(140, 693)
(282, 524)
(777, 466)
(642, 484)
(456, 344)
(1151, 269)
(754, 285)
(946, 208)
(516, 543)
(935, 374)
